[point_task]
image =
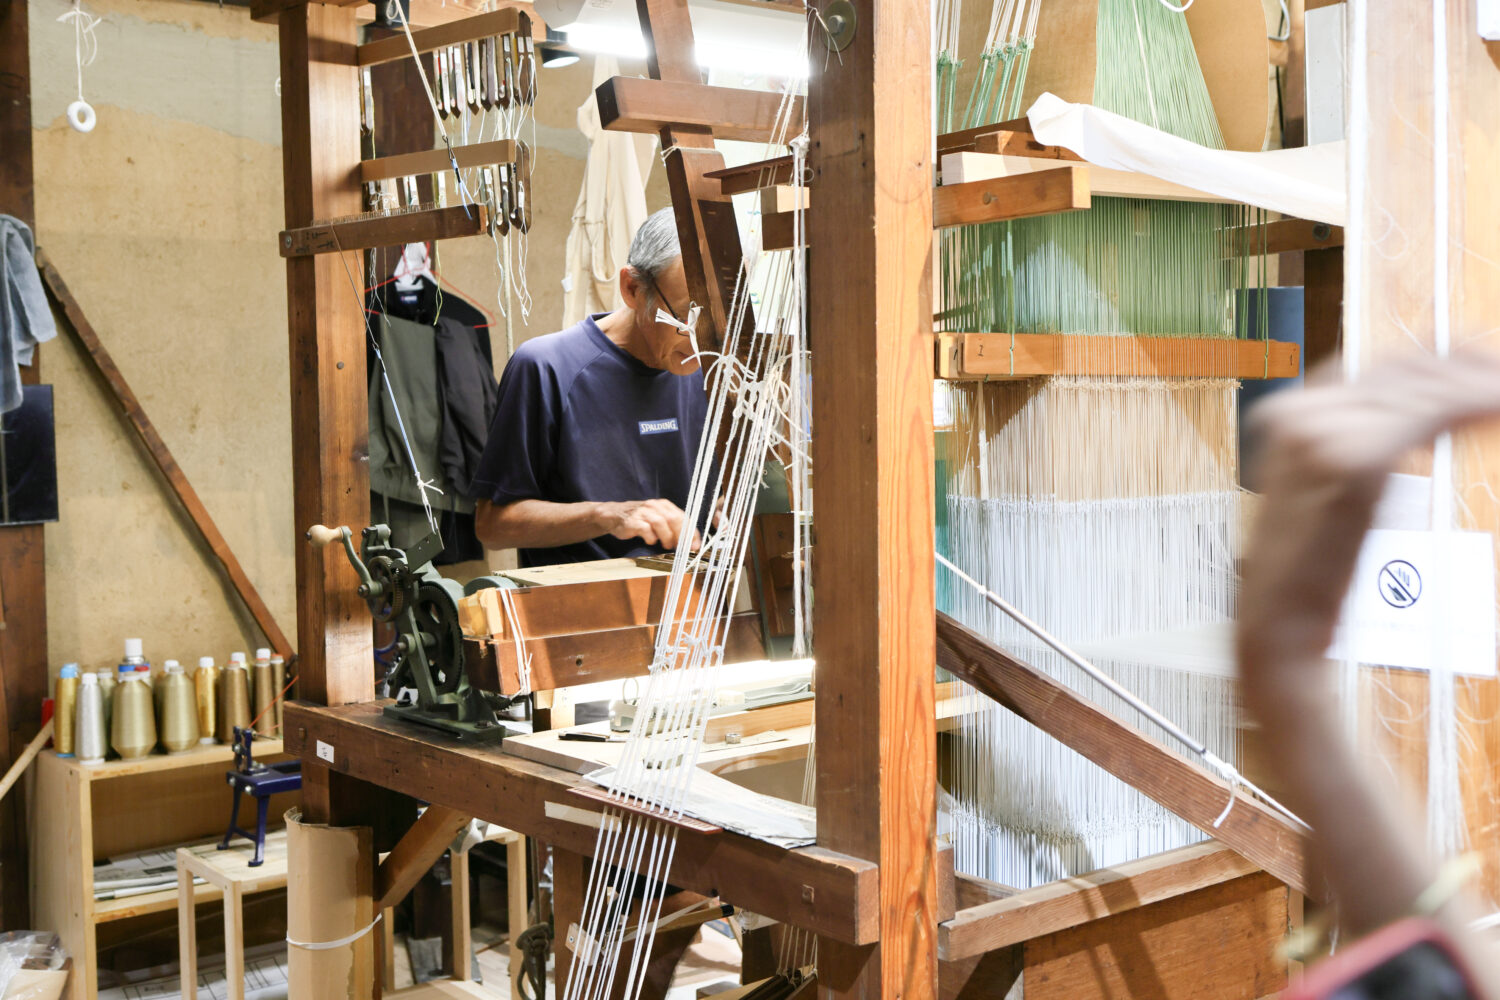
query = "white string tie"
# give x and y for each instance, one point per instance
(80, 113)
(347, 939)
(513, 622)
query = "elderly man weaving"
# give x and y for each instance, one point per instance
(591, 449)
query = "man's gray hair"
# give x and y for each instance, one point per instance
(654, 248)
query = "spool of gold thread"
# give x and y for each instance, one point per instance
(262, 692)
(133, 728)
(64, 704)
(234, 699)
(206, 694)
(179, 711)
(278, 684)
(107, 697)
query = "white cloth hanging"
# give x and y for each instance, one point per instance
(611, 207)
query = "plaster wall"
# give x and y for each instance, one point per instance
(163, 221)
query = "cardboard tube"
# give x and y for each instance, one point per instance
(330, 887)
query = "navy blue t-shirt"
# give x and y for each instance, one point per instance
(580, 419)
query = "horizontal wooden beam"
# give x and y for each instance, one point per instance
(435, 161)
(631, 104)
(417, 851)
(1283, 236)
(753, 176)
(971, 357)
(964, 167)
(1069, 902)
(967, 139)
(499, 22)
(587, 657)
(1251, 827)
(391, 230)
(1017, 143)
(1044, 192)
(812, 888)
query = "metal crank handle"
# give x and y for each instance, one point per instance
(320, 535)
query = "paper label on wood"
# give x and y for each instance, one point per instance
(1419, 598)
(325, 751)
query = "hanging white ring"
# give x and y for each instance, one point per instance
(81, 116)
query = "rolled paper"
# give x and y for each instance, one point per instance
(234, 701)
(206, 692)
(65, 697)
(179, 711)
(90, 742)
(133, 728)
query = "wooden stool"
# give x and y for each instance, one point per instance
(234, 871)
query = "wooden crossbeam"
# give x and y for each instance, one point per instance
(1069, 902)
(434, 161)
(630, 104)
(753, 176)
(386, 230)
(1060, 189)
(134, 414)
(1009, 142)
(500, 22)
(983, 356)
(1283, 236)
(1252, 828)
(416, 852)
(968, 139)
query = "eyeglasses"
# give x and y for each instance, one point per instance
(663, 299)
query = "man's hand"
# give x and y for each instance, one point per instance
(657, 522)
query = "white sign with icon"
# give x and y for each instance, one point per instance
(1420, 598)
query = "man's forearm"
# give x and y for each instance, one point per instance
(537, 524)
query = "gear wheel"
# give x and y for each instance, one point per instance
(436, 613)
(393, 578)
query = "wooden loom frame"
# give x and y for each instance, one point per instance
(891, 918)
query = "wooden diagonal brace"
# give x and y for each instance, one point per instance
(431, 835)
(130, 408)
(1252, 828)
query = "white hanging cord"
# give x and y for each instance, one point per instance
(342, 942)
(1177, 10)
(1286, 19)
(513, 622)
(85, 50)
(1225, 770)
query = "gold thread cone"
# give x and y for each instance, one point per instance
(278, 681)
(234, 702)
(179, 712)
(206, 694)
(133, 729)
(107, 696)
(265, 720)
(65, 700)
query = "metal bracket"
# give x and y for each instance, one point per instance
(840, 20)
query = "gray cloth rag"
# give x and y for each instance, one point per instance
(25, 317)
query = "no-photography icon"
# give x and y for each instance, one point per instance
(1400, 583)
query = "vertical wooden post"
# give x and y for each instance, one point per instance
(330, 427)
(23, 582)
(870, 315)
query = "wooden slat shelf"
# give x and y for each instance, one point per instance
(753, 176)
(391, 230)
(434, 161)
(980, 356)
(499, 22)
(107, 910)
(197, 757)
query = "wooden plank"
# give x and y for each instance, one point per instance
(1070, 902)
(1252, 828)
(500, 22)
(320, 149)
(1056, 189)
(1283, 236)
(1013, 142)
(820, 890)
(599, 798)
(967, 140)
(130, 409)
(869, 114)
(1322, 304)
(631, 104)
(435, 161)
(560, 661)
(959, 168)
(980, 356)
(23, 580)
(1221, 941)
(386, 230)
(416, 852)
(753, 176)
